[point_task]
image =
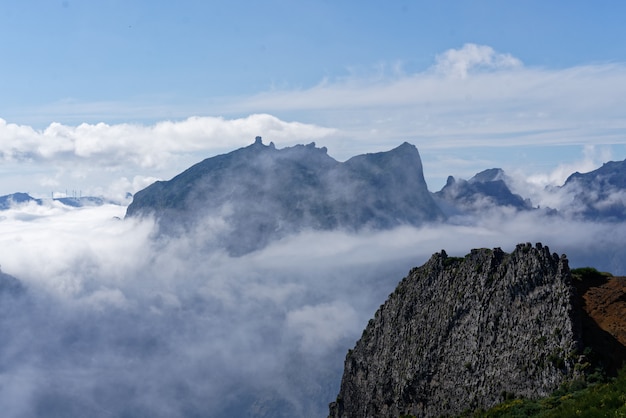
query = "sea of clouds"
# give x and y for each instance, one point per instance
(117, 321)
(114, 320)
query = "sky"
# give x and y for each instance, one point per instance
(102, 98)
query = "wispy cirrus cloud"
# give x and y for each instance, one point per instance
(470, 99)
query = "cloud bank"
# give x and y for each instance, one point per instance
(110, 160)
(141, 146)
(114, 321)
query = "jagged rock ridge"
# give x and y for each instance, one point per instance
(260, 193)
(461, 333)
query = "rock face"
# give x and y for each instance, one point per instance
(464, 333)
(259, 193)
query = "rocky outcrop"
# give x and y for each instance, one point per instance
(465, 333)
(259, 193)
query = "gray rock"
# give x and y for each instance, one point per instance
(465, 333)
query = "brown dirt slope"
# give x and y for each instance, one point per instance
(603, 300)
(606, 304)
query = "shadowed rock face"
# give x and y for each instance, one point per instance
(259, 193)
(461, 333)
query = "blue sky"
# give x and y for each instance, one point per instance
(107, 96)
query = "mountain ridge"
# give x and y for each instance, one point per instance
(272, 192)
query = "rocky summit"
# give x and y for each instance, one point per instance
(485, 190)
(465, 333)
(259, 193)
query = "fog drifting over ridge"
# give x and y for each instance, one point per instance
(116, 321)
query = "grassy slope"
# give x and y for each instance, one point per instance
(606, 399)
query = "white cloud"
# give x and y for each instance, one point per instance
(459, 62)
(322, 326)
(542, 188)
(111, 309)
(145, 146)
(510, 105)
(93, 158)
(471, 98)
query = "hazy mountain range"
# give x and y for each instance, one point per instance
(237, 287)
(275, 192)
(7, 201)
(257, 194)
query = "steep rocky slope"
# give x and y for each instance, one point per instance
(606, 304)
(463, 333)
(602, 299)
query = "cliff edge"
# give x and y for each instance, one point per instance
(466, 333)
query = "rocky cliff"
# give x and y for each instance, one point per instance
(465, 333)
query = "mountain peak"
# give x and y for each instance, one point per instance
(266, 195)
(486, 189)
(491, 174)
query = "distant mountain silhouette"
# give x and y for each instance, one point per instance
(78, 202)
(9, 200)
(599, 194)
(486, 189)
(260, 193)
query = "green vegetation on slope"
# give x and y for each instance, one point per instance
(588, 273)
(602, 399)
(593, 396)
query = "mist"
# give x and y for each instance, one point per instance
(115, 320)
